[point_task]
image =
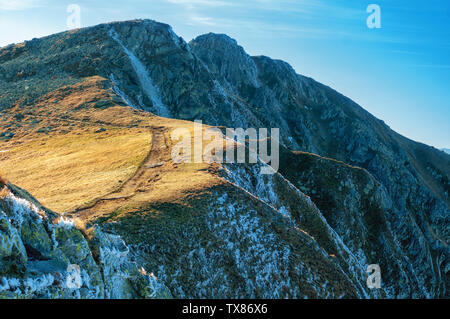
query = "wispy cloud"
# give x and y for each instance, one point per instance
(313, 19)
(17, 5)
(209, 3)
(195, 20)
(432, 66)
(407, 52)
(279, 29)
(192, 6)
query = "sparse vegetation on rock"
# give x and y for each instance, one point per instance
(89, 144)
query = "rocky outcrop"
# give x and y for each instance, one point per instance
(42, 257)
(388, 204)
(361, 212)
(227, 243)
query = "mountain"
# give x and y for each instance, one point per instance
(86, 123)
(37, 246)
(446, 150)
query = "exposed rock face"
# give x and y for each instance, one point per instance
(257, 236)
(36, 254)
(235, 246)
(359, 209)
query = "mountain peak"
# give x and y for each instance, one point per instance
(373, 195)
(225, 58)
(215, 37)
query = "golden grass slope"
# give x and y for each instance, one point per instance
(65, 171)
(74, 156)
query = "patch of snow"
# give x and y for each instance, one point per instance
(176, 39)
(219, 89)
(66, 223)
(120, 93)
(144, 78)
(114, 254)
(262, 187)
(20, 208)
(258, 256)
(37, 284)
(4, 284)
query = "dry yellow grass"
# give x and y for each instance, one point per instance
(158, 180)
(66, 171)
(73, 169)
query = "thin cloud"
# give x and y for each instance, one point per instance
(18, 5)
(433, 66)
(193, 16)
(201, 20)
(210, 3)
(267, 29)
(408, 52)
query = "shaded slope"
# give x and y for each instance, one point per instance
(36, 250)
(192, 225)
(359, 209)
(213, 79)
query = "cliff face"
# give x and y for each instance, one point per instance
(366, 196)
(45, 256)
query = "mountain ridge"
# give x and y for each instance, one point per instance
(211, 78)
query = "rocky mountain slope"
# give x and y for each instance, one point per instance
(38, 248)
(349, 192)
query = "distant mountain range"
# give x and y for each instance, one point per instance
(446, 150)
(85, 127)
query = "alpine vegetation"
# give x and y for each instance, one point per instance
(139, 165)
(231, 147)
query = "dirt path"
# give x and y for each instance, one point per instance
(156, 162)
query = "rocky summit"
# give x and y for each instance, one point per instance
(93, 206)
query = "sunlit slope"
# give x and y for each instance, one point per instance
(81, 148)
(395, 214)
(65, 171)
(64, 155)
(81, 151)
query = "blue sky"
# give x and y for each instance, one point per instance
(400, 72)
